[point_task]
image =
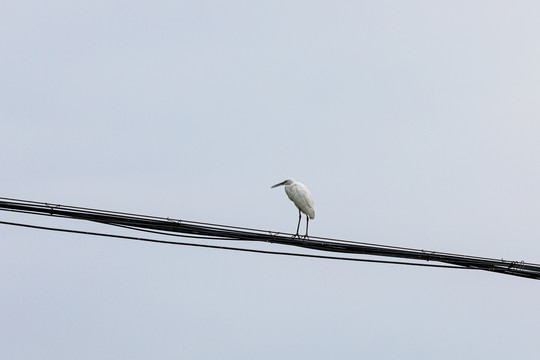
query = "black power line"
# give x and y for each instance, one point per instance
(221, 232)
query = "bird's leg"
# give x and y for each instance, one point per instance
(298, 227)
(307, 224)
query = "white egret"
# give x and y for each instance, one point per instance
(301, 197)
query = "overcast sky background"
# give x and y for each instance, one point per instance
(413, 124)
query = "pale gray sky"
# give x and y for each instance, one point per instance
(413, 124)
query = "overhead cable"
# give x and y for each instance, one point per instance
(167, 226)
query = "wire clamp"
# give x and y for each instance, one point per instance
(427, 253)
(273, 235)
(52, 207)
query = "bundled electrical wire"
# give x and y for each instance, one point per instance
(206, 231)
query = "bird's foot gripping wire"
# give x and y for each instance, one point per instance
(302, 238)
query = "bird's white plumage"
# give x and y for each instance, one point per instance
(301, 197)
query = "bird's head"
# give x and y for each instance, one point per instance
(286, 182)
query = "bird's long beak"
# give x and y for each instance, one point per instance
(281, 183)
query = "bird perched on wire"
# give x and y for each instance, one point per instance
(301, 197)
